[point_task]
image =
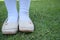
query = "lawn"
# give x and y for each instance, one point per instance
(45, 15)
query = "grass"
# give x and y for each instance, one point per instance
(45, 15)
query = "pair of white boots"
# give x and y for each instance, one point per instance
(22, 25)
(15, 22)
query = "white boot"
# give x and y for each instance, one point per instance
(10, 26)
(25, 23)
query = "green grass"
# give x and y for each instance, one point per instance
(45, 15)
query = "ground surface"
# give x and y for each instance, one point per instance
(45, 15)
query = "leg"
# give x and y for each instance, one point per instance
(10, 25)
(12, 10)
(25, 23)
